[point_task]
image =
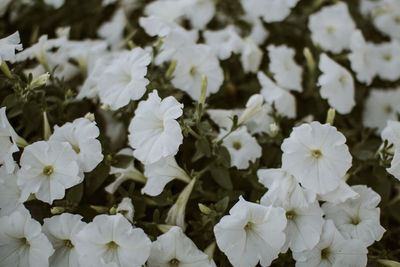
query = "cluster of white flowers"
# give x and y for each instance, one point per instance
(308, 207)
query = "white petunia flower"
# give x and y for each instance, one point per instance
(156, 26)
(317, 156)
(123, 80)
(112, 238)
(48, 169)
(192, 63)
(284, 187)
(160, 173)
(283, 101)
(381, 106)
(258, 32)
(331, 27)
(287, 73)
(269, 10)
(126, 208)
(224, 42)
(8, 45)
(8, 138)
(387, 60)
(22, 242)
(357, 218)
(113, 31)
(386, 16)
(253, 106)
(361, 58)
(154, 132)
(62, 232)
(242, 147)
(169, 10)
(337, 85)
(198, 12)
(251, 233)
(251, 56)
(174, 248)
(223, 117)
(81, 134)
(10, 194)
(333, 250)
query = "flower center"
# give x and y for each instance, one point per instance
(316, 153)
(24, 242)
(48, 170)
(387, 57)
(388, 109)
(396, 20)
(112, 245)
(330, 29)
(248, 226)
(68, 243)
(355, 220)
(290, 215)
(174, 262)
(76, 149)
(325, 253)
(342, 79)
(193, 70)
(237, 145)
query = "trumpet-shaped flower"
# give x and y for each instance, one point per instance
(251, 233)
(154, 131)
(387, 60)
(317, 156)
(174, 248)
(224, 42)
(357, 218)
(8, 45)
(81, 134)
(112, 238)
(48, 169)
(22, 242)
(62, 232)
(337, 85)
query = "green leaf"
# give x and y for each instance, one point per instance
(75, 194)
(222, 177)
(96, 178)
(224, 157)
(222, 205)
(389, 263)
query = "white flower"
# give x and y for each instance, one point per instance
(62, 232)
(287, 73)
(124, 174)
(113, 239)
(381, 106)
(223, 117)
(253, 106)
(337, 85)
(269, 10)
(284, 187)
(333, 250)
(258, 32)
(224, 42)
(8, 138)
(242, 147)
(192, 63)
(176, 214)
(391, 133)
(81, 134)
(387, 60)
(261, 121)
(154, 131)
(331, 27)
(386, 17)
(198, 12)
(125, 207)
(10, 194)
(156, 26)
(251, 233)
(113, 30)
(160, 173)
(8, 45)
(284, 101)
(361, 58)
(48, 169)
(174, 248)
(123, 80)
(168, 10)
(251, 56)
(55, 3)
(22, 242)
(357, 218)
(342, 193)
(317, 156)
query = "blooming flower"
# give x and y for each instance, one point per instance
(123, 80)
(387, 60)
(113, 239)
(385, 17)
(22, 242)
(81, 134)
(331, 27)
(357, 218)
(174, 248)
(317, 156)
(224, 42)
(287, 73)
(154, 131)
(193, 62)
(160, 173)
(113, 31)
(333, 250)
(251, 56)
(337, 85)
(47, 169)
(381, 106)
(198, 12)
(62, 232)
(251, 233)
(8, 138)
(8, 45)
(242, 147)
